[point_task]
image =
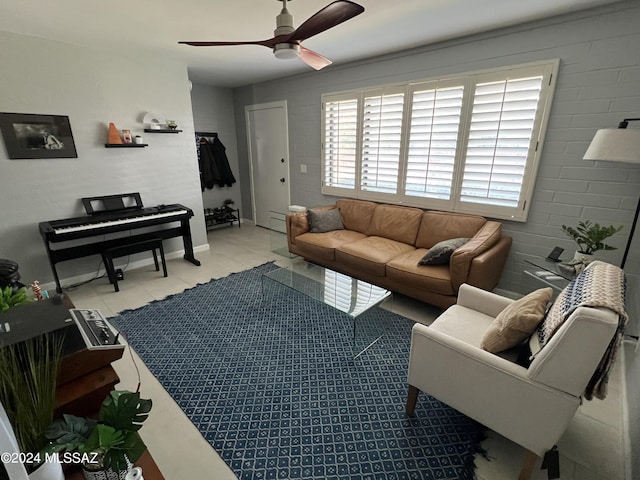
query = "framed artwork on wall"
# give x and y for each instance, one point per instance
(28, 135)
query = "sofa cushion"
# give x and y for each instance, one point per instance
(441, 252)
(321, 221)
(356, 214)
(404, 270)
(395, 222)
(321, 246)
(517, 321)
(438, 226)
(371, 254)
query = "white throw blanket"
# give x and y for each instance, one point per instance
(600, 285)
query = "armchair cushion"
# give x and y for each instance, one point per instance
(516, 322)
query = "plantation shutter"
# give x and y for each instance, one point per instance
(340, 143)
(469, 143)
(500, 135)
(433, 137)
(381, 140)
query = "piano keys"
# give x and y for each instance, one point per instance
(92, 227)
(63, 229)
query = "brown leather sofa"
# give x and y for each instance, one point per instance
(382, 244)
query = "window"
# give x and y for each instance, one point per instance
(381, 137)
(341, 130)
(469, 143)
(433, 140)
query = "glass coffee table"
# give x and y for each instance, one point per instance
(342, 292)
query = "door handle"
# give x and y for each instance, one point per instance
(282, 179)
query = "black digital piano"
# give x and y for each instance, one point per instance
(110, 214)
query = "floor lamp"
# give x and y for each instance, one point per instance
(620, 144)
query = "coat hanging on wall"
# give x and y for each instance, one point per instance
(214, 164)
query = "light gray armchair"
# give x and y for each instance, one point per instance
(530, 406)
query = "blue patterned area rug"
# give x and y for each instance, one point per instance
(269, 379)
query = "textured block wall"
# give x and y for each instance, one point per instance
(598, 85)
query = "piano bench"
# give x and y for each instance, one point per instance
(153, 244)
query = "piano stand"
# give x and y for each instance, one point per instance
(91, 231)
(192, 259)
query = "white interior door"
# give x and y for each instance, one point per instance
(268, 142)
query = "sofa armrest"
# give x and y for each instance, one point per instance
(460, 263)
(489, 389)
(487, 267)
(297, 224)
(482, 301)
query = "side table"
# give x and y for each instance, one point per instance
(278, 233)
(549, 273)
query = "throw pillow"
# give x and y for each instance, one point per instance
(516, 322)
(441, 252)
(322, 221)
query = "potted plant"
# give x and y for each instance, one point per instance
(590, 238)
(28, 373)
(108, 446)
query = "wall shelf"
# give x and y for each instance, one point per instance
(161, 130)
(125, 145)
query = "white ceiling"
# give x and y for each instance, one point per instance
(155, 27)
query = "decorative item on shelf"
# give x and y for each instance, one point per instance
(114, 136)
(111, 444)
(114, 140)
(138, 139)
(590, 239)
(154, 121)
(172, 124)
(620, 144)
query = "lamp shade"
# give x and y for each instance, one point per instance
(615, 145)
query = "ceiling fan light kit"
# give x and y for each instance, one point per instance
(286, 51)
(286, 43)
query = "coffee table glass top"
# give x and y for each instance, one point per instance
(342, 292)
(337, 290)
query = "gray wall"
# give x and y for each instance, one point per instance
(598, 85)
(213, 111)
(93, 87)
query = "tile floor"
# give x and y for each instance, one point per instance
(591, 449)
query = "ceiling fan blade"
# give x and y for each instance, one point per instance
(333, 14)
(313, 59)
(266, 43)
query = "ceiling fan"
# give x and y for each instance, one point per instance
(287, 39)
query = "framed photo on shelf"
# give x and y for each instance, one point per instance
(28, 135)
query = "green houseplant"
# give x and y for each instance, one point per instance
(28, 378)
(109, 444)
(590, 236)
(10, 298)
